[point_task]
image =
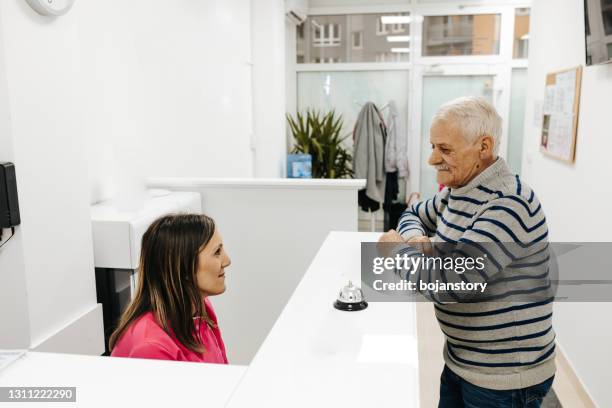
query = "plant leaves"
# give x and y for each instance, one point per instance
(319, 134)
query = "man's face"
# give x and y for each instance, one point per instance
(456, 160)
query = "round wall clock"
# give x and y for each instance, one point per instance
(51, 7)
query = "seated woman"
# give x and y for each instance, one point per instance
(182, 263)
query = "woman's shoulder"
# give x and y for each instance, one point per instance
(145, 338)
(153, 350)
(147, 327)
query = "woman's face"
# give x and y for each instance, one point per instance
(212, 261)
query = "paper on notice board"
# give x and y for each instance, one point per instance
(559, 97)
(560, 135)
(537, 113)
(558, 118)
(566, 83)
(549, 99)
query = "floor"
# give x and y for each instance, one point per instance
(367, 223)
(551, 401)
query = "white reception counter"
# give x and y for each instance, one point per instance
(314, 355)
(123, 382)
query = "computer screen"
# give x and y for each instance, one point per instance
(598, 31)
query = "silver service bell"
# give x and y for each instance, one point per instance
(350, 299)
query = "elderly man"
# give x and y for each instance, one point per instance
(498, 353)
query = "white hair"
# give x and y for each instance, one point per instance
(475, 116)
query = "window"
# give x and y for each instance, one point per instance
(384, 40)
(397, 28)
(521, 33)
(606, 15)
(325, 35)
(598, 22)
(381, 28)
(391, 23)
(394, 56)
(471, 34)
(357, 40)
(354, 38)
(328, 60)
(299, 51)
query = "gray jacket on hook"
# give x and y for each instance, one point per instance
(369, 151)
(396, 149)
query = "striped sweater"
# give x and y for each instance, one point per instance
(497, 343)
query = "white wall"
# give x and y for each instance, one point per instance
(46, 273)
(268, 57)
(167, 89)
(107, 95)
(576, 198)
(14, 333)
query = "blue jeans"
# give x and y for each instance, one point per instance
(455, 392)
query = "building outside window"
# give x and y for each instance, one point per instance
(521, 33)
(321, 38)
(471, 34)
(381, 28)
(326, 35)
(357, 40)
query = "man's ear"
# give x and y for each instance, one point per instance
(486, 145)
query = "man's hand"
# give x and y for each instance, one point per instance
(391, 236)
(422, 243)
(386, 243)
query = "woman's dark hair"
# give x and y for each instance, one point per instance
(167, 284)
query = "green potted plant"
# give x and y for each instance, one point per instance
(320, 136)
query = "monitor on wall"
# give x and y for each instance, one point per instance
(598, 31)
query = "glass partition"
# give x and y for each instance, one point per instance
(347, 91)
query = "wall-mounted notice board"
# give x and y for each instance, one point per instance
(560, 110)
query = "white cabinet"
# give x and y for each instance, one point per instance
(117, 234)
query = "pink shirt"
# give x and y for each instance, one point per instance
(146, 339)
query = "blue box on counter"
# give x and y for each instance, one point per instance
(299, 166)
